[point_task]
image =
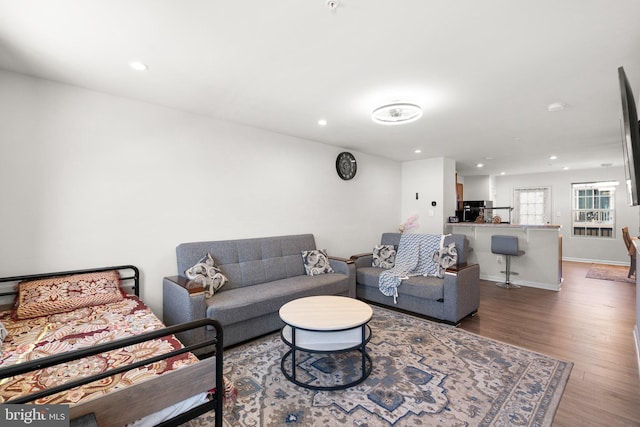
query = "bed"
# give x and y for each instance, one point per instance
(85, 339)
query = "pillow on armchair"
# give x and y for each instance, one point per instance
(384, 256)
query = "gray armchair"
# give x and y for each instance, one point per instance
(449, 299)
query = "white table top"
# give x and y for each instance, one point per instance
(326, 313)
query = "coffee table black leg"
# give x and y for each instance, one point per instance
(362, 349)
(367, 363)
(293, 353)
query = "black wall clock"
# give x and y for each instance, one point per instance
(346, 165)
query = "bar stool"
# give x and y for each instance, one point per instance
(507, 246)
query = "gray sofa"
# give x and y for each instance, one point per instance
(450, 299)
(263, 274)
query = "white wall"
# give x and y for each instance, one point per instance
(88, 180)
(577, 248)
(477, 187)
(434, 180)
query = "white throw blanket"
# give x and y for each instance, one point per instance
(414, 258)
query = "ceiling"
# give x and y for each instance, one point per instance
(484, 72)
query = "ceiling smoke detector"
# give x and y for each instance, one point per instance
(397, 113)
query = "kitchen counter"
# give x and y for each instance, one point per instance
(539, 267)
(503, 225)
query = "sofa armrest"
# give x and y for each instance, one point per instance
(458, 267)
(189, 285)
(182, 300)
(345, 266)
(362, 260)
(461, 291)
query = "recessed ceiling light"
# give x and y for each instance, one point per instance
(556, 106)
(553, 157)
(396, 113)
(503, 173)
(479, 165)
(333, 4)
(322, 122)
(138, 66)
(418, 151)
(566, 168)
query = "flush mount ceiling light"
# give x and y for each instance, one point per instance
(138, 66)
(396, 113)
(556, 106)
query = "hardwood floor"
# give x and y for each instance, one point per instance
(590, 323)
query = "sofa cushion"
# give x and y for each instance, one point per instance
(427, 287)
(384, 256)
(316, 262)
(239, 304)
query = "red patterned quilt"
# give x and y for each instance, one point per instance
(43, 336)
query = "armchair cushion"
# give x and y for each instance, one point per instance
(428, 287)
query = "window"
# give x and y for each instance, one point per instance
(532, 206)
(593, 209)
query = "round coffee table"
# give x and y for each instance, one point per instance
(326, 324)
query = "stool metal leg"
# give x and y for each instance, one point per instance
(507, 283)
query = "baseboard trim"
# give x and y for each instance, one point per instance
(539, 285)
(636, 339)
(596, 261)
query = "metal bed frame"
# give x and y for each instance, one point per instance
(216, 403)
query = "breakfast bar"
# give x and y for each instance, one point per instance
(539, 267)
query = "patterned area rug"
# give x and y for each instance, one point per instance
(424, 373)
(615, 273)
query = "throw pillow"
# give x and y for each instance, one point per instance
(316, 262)
(384, 256)
(207, 274)
(444, 258)
(54, 295)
